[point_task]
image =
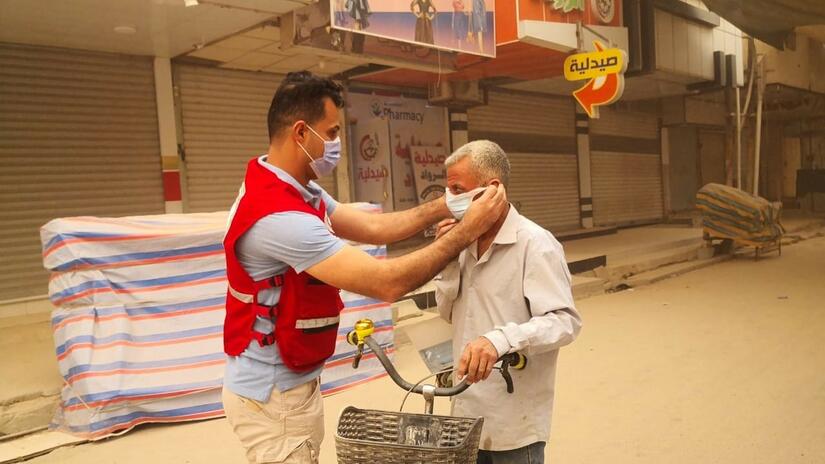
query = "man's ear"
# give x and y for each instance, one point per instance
(299, 130)
(493, 182)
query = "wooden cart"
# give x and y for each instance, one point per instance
(739, 219)
(730, 244)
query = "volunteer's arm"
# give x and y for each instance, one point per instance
(354, 270)
(379, 229)
(448, 281)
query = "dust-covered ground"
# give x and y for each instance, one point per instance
(722, 365)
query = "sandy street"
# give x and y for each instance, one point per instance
(722, 365)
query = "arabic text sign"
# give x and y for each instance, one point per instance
(371, 162)
(430, 173)
(605, 70)
(583, 66)
(383, 131)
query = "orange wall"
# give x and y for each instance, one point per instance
(506, 21)
(542, 10)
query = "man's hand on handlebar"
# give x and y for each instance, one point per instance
(477, 360)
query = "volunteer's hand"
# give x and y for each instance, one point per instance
(477, 360)
(444, 227)
(486, 209)
(446, 214)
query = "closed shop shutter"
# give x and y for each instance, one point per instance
(626, 168)
(545, 189)
(627, 188)
(518, 113)
(78, 136)
(224, 126)
(538, 134)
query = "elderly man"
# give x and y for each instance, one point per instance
(509, 291)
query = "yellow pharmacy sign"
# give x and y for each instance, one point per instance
(583, 66)
(604, 70)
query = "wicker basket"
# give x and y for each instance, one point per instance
(367, 436)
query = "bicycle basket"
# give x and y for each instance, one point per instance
(367, 436)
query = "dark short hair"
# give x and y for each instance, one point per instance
(301, 96)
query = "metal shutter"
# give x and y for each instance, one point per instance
(524, 114)
(545, 189)
(627, 188)
(78, 136)
(538, 134)
(625, 123)
(626, 168)
(224, 126)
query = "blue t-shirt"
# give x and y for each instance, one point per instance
(276, 242)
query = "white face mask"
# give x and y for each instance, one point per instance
(324, 165)
(458, 204)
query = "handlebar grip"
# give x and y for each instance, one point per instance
(516, 360)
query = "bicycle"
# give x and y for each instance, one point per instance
(372, 436)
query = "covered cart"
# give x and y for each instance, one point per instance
(747, 220)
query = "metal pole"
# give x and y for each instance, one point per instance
(760, 90)
(738, 142)
(345, 189)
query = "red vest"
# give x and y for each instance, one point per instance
(308, 310)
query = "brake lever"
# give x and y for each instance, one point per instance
(515, 360)
(505, 372)
(358, 354)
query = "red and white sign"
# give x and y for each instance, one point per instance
(385, 131)
(430, 173)
(371, 162)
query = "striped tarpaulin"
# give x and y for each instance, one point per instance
(728, 212)
(138, 321)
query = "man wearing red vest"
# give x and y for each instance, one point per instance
(286, 263)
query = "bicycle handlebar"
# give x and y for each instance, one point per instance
(515, 360)
(361, 335)
(407, 386)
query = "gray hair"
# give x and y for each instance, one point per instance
(487, 158)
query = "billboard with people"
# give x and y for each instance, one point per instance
(466, 26)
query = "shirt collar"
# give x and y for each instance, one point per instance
(508, 233)
(309, 192)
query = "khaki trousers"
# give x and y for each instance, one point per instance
(288, 429)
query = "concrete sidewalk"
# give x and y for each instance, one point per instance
(30, 380)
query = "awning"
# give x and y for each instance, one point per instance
(770, 20)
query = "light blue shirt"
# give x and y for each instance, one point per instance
(275, 243)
